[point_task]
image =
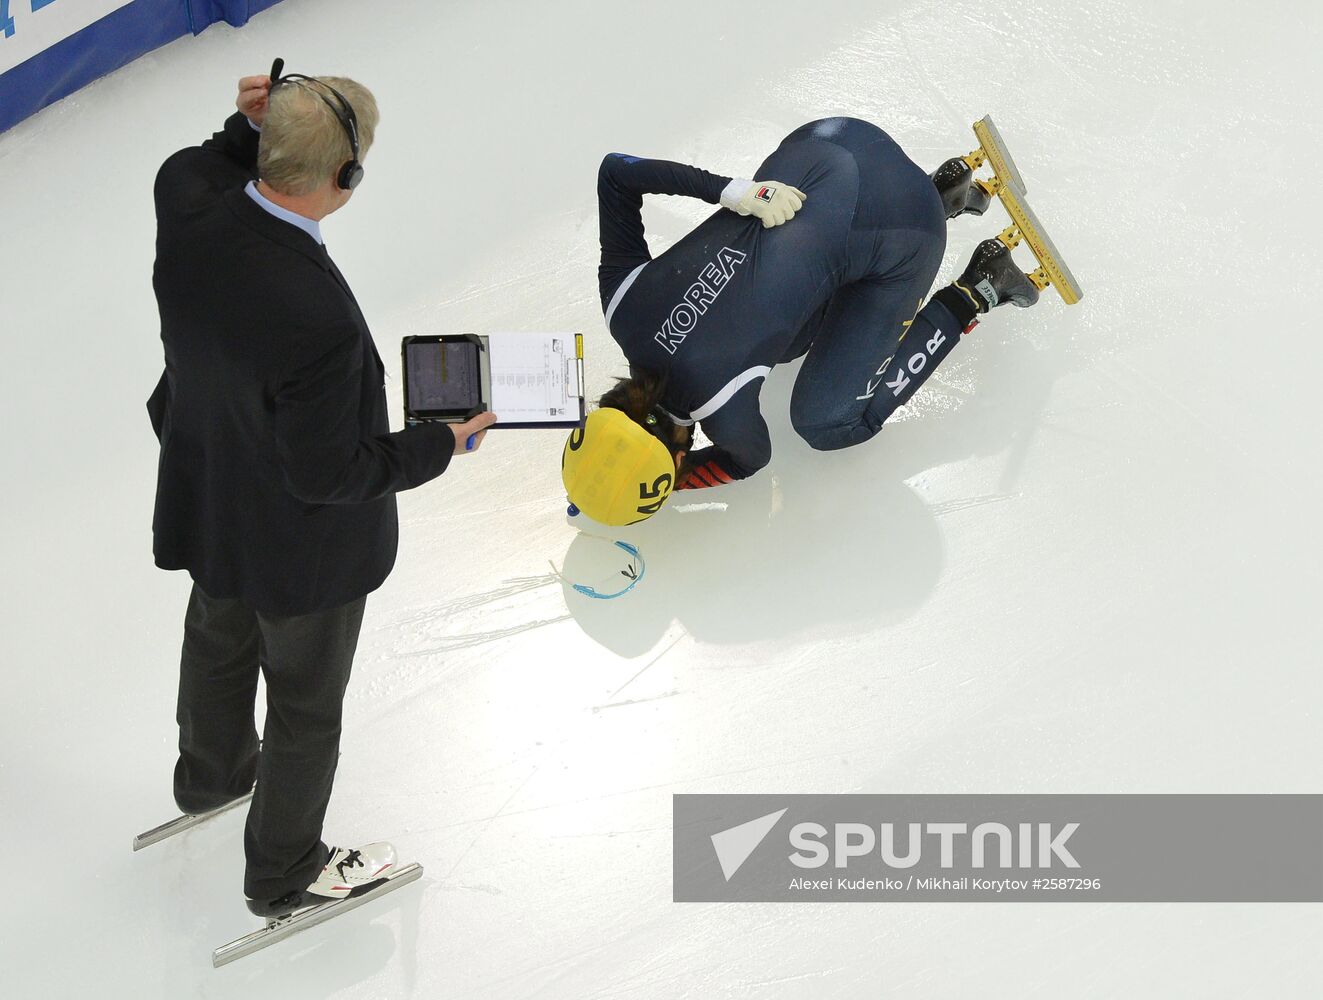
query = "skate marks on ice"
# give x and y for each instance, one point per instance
(440, 628)
(486, 823)
(969, 503)
(611, 698)
(415, 649)
(628, 702)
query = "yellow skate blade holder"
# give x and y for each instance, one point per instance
(992, 150)
(1007, 184)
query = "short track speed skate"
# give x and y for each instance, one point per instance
(350, 878)
(1007, 184)
(185, 822)
(309, 909)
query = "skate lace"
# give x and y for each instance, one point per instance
(354, 859)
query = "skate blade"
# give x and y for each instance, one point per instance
(1052, 269)
(279, 928)
(998, 155)
(1008, 185)
(166, 830)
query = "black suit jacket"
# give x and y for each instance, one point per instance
(278, 471)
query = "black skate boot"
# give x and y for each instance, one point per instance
(960, 195)
(993, 278)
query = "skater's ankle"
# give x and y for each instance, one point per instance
(963, 302)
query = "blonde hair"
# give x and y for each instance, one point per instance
(303, 143)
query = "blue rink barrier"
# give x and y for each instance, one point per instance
(104, 46)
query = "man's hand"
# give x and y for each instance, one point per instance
(472, 431)
(771, 201)
(252, 99)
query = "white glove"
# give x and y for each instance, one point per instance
(770, 201)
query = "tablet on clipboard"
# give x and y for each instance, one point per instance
(447, 379)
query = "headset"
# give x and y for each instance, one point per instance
(351, 174)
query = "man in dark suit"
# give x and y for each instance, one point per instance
(278, 471)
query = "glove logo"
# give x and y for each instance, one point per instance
(765, 193)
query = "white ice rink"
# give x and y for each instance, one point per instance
(1086, 559)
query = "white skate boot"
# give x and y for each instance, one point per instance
(352, 871)
(351, 877)
(348, 872)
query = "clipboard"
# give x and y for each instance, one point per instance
(531, 380)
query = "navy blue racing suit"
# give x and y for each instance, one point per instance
(842, 280)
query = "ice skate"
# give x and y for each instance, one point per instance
(349, 871)
(992, 278)
(992, 151)
(185, 822)
(1008, 186)
(961, 194)
(350, 878)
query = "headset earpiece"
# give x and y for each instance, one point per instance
(350, 176)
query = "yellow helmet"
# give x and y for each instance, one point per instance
(614, 470)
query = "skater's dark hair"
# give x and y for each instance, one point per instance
(639, 397)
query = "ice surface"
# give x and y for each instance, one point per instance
(1084, 560)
